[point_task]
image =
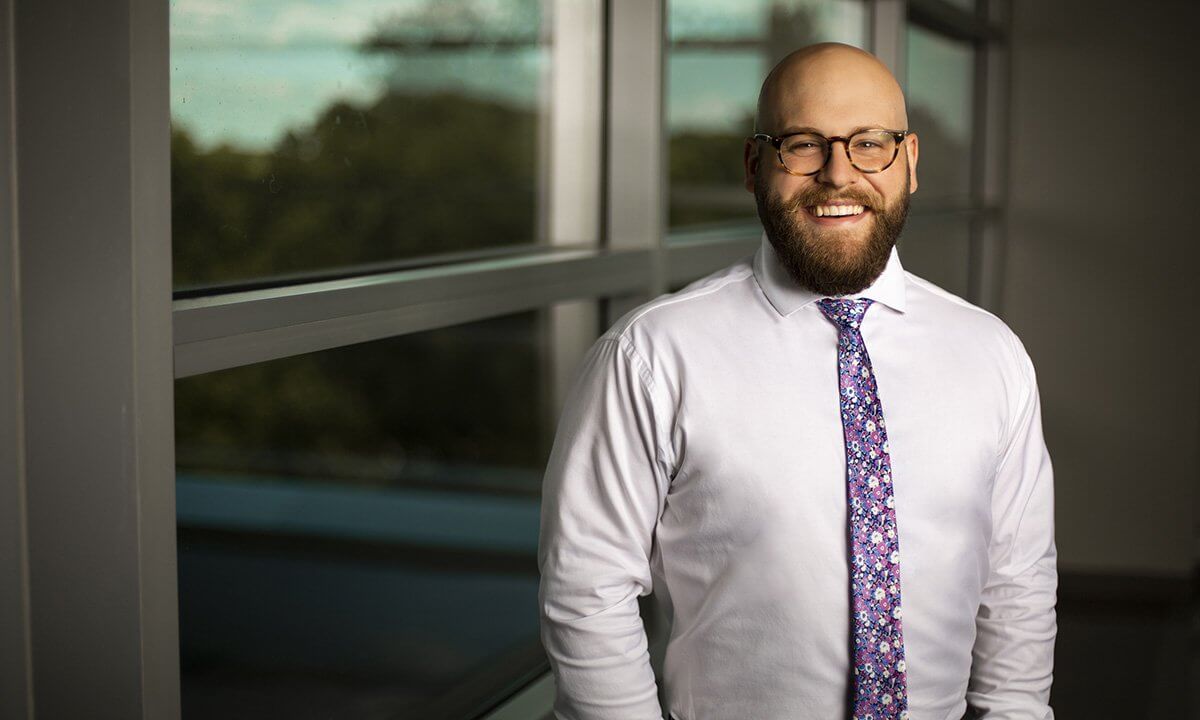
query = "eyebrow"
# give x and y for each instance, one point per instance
(807, 129)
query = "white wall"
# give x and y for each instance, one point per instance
(1101, 271)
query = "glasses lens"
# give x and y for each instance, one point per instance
(872, 151)
(803, 153)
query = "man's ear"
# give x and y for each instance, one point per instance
(750, 160)
(910, 147)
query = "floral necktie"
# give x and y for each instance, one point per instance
(880, 679)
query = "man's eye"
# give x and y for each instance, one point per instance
(866, 144)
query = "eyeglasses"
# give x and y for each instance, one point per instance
(805, 153)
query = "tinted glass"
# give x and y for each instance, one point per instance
(358, 527)
(939, 93)
(936, 247)
(718, 54)
(317, 134)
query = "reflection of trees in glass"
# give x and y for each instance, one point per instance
(384, 181)
(788, 28)
(404, 176)
(706, 177)
(705, 167)
(457, 24)
(413, 173)
(398, 411)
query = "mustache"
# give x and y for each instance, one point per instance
(820, 196)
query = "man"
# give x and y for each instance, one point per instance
(827, 546)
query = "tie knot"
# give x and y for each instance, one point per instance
(846, 313)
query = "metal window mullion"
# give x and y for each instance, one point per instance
(93, 220)
(690, 260)
(947, 19)
(888, 39)
(994, 173)
(243, 328)
(979, 155)
(148, 58)
(636, 186)
(16, 661)
(575, 116)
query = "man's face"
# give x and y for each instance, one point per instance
(836, 255)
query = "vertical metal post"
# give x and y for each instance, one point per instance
(93, 218)
(575, 118)
(575, 106)
(995, 105)
(976, 224)
(637, 187)
(888, 22)
(16, 678)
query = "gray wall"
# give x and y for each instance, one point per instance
(1100, 272)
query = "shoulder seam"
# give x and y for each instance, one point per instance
(626, 346)
(652, 306)
(665, 451)
(947, 295)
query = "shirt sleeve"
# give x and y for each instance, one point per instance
(602, 495)
(1013, 655)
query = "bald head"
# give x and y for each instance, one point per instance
(830, 82)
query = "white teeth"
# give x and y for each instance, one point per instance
(837, 210)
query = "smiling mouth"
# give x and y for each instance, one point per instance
(838, 210)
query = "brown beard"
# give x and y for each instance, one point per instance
(822, 259)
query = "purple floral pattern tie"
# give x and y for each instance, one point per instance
(880, 687)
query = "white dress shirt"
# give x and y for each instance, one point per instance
(700, 456)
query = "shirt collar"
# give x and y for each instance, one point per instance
(787, 296)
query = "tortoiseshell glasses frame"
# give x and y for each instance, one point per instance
(827, 148)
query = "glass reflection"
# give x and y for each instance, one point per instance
(968, 5)
(719, 53)
(314, 134)
(939, 93)
(358, 527)
(937, 247)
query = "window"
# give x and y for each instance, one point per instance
(936, 246)
(953, 236)
(358, 526)
(940, 90)
(312, 135)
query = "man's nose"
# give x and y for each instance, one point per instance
(838, 172)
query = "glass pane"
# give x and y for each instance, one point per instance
(939, 92)
(316, 134)
(936, 247)
(358, 527)
(719, 53)
(968, 5)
